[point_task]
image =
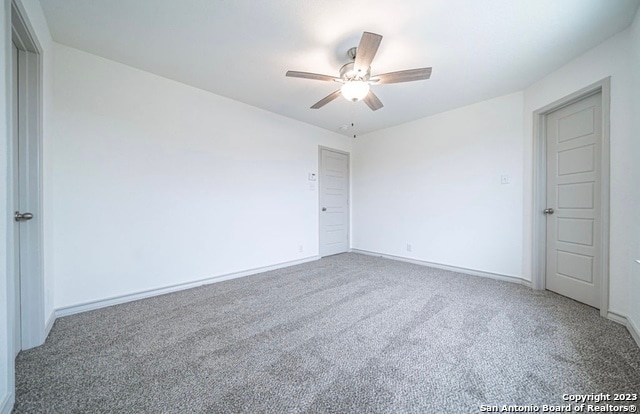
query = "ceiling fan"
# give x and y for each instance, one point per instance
(356, 78)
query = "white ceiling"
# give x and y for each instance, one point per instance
(241, 49)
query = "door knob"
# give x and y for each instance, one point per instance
(324, 209)
(23, 216)
(548, 211)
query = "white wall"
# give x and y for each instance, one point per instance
(611, 58)
(634, 291)
(436, 183)
(156, 183)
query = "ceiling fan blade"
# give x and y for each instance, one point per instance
(322, 102)
(367, 49)
(373, 101)
(404, 76)
(309, 75)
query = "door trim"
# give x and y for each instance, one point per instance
(30, 118)
(539, 185)
(320, 148)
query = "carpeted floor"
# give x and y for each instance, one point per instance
(348, 333)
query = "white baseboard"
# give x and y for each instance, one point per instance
(7, 403)
(628, 323)
(634, 331)
(617, 317)
(497, 276)
(116, 300)
(50, 321)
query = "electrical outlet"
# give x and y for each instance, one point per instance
(300, 249)
(409, 247)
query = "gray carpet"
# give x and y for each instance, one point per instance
(348, 333)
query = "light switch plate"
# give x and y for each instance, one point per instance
(312, 176)
(504, 179)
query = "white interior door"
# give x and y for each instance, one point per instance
(16, 202)
(334, 202)
(27, 304)
(574, 147)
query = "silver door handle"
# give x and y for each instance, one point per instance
(324, 209)
(23, 216)
(548, 211)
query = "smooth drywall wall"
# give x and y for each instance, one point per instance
(156, 183)
(611, 58)
(436, 184)
(6, 337)
(634, 291)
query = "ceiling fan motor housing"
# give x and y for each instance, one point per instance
(347, 73)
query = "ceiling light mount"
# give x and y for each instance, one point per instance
(352, 53)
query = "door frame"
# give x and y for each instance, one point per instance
(320, 148)
(540, 185)
(30, 84)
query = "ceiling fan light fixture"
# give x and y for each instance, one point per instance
(355, 76)
(354, 90)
